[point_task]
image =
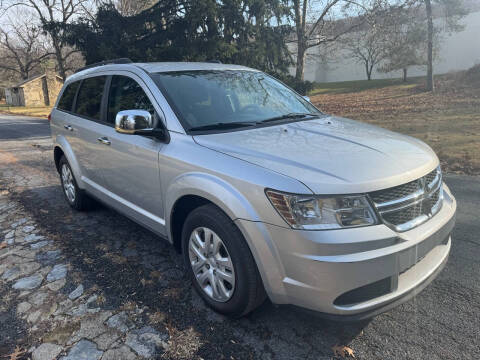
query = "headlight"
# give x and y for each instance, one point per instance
(310, 212)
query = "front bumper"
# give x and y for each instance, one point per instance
(352, 273)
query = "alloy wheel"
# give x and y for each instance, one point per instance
(68, 184)
(211, 264)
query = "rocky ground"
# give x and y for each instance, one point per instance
(97, 286)
(63, 318)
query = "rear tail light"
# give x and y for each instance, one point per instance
(49, 117)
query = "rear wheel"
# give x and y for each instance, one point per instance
(76, 197)
(220, 263)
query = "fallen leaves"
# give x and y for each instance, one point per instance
(447, 120)
(17, 354)
(183, 344)
(3, 245)
(342, 351)
(157, 317)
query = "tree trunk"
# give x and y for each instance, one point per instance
(300, 8)
(61, 65)
(368, 70)
(430, 83)
(58, 56)
(405, 74)
(301, 55)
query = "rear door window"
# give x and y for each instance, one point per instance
(126, 94)
(66, 101)
(89, 99)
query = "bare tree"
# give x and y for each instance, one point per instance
(367, 45)
(315, 24)
(405, 43)
(133, 7)
(452, 11)
(50, 13)
(22, 47)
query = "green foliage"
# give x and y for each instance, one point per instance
(303, 87)
(247, 32)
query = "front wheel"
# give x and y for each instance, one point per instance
(220, 263)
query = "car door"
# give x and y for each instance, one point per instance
(84, 128)
(130, 162)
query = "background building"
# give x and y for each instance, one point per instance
(40, 90)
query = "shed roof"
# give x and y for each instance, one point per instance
(22, 83)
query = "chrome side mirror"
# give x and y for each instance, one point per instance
(130, 121)
(306, 98)
(140, 122)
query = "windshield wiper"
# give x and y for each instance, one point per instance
(222, 125)
(288, 116)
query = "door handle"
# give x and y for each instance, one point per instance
(104, 140)
(68, 127)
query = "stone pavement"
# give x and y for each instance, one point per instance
(68, 325)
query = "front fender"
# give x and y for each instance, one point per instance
(240, 210)
(212, 188)
(62, 143)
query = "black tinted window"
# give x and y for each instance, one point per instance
(126, 94)
(66, 101)
(89, 98)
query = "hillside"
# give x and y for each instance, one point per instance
(449, 120)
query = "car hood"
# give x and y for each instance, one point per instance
(330, 155)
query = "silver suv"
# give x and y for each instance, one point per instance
(262, 193)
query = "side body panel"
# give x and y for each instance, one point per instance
(130, 169)
(83, 138)
(131, 176)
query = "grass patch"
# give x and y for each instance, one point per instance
(448, 120)
(361, 85)
(37, 111)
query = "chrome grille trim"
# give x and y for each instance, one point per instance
(406, 206)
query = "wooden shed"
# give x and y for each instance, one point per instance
(40, 90)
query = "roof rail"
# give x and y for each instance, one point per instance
(106, 62)
(213, 61)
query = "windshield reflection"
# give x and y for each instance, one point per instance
(230, 99)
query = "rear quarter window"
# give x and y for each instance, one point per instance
(66, 101)
(89, 98)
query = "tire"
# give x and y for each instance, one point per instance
(76, 197)
(247, 293)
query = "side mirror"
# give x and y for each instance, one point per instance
(129, 121)
(306, 98)
(139, 122)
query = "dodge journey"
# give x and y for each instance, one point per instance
(262, 193)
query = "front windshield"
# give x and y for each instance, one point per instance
(208, 98)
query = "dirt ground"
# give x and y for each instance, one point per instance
(39, 111)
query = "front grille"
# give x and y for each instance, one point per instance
(396, 192)
(405, 206)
